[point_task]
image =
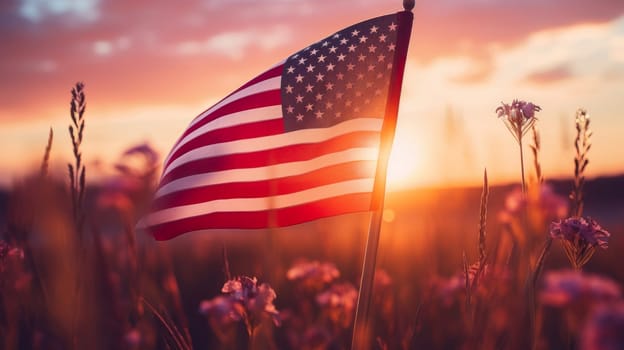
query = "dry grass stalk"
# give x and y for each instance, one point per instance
(582, 145)
(535, 148)
(482, 218)
(46, 155)
(77, 170)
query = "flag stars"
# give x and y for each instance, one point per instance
(372, 48)
(381, 58)
(391, 47)
(341, 57)
(329, 105)
(392, 27)
(367, 101)
(349, 86)
(309, 107)
(356, 109)
(330, 67)
(340, 76)
(319, 115)
(309, 88)
(329, 86)
(314, 52)
(310, 68)
(360, 76)
(299, 99)
(289, 89)
(371, 67)
(338, 114)
(382, 38)
(352, 48)
(377, 92)
(363, 39)
(374, 29)
(290, 109)
(321, 58)
(333, 49)
(369, 85)
(355, 32)
(299, 78)
(299, 117)
(302, 60)
(319, 96)
(339, 95)
(325, 43)
(344, 41)
(361, 58)
(319, 77)
(350, 66)
(290, 70)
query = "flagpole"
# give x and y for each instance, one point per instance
(362, 325)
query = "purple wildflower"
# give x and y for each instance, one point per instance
(338, 302)
(580, 237)
(604, 329)
(313, 275)
(569, 288)
(253, 302)
(518, 117)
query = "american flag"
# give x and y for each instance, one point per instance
(296, 143)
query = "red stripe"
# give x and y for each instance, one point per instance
(266, 188)
(271, 73)
(233, 133)
(261, 99)
(356, 202)
(292, 153)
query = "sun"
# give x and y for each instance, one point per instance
(403, 165)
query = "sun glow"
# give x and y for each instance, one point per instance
(405, 160)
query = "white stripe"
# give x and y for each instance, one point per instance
(272, 171)
(233, 119)
(264, 203)
(275, 141)
(264, 85)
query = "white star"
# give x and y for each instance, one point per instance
(341, 57)
(392, 27)
(363, 39)
(309, 88)
(309, 107)
(299, 98)
(319, 96)
(343, 41)
(321, 58)
(329, 86)
(313, 52)
(299, 117)
(372, 48)
(350, 66)
(290, 109)
(361, 57)
(391, 47)
(302, 60)
(289, 89)
(355, 32)
(330, 67)
(374, 29)
(352, 48)
(310, 68)
(290, 70)
(333, 49)
(319, 115)
(319, 77)
(382, 38)
(299, 78)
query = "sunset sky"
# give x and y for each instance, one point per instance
(151, 66)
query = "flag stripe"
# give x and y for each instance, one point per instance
(233, 119)
(273, 186)
(266, 218)
(269, 172)
(276, 141)
(259, 204)
(290, 153)
(258, 90)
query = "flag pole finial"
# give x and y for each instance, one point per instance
(408, 4)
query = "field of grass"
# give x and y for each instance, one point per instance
(457, 269)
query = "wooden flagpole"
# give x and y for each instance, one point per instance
(362, 329)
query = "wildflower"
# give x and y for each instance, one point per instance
(580, 237)
(339, 303)
(519, 117)
(253, 302)
(604, 329)
(313, 275)
(570, 288)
